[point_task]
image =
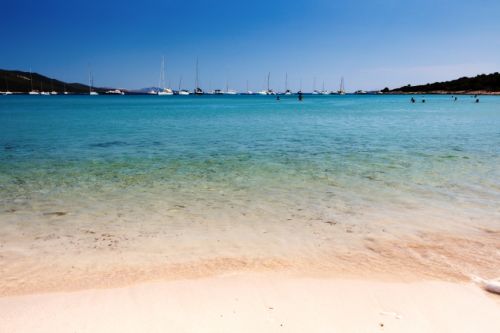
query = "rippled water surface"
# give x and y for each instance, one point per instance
(364, 149)
(370, 163)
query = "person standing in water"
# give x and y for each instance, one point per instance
(412, 100)
(300, 96)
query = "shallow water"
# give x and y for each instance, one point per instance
(243, 167)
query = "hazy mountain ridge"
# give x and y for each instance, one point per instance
(19, 81)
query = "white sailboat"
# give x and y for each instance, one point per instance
(32, 92)
(53, 92)
(249, 92)
(44, 93)
(323, 91)
(268, 91)
(229, 91)
(315, 92)
(91, 81)
(182, 92)
(163, 91)
(7, 92)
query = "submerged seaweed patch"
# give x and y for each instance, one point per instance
(109, 144)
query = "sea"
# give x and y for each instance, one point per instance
(252, 167)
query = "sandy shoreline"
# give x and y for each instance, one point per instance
(430, 256)
(258, 303)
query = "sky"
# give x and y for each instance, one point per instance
(372, 44)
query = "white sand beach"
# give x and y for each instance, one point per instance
(259, 303)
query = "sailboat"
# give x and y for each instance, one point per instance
(53, 92)
(7, 92)
(300, 87)
(65, 92)
(182, 92)
(32, 92)
(287, 91)
(268, 91)
(91, 81)
(228, 91)
(197, 89)
(249, 92)
(163, 91)
(323, 91)
(44, 93)
(315, 92)
(342, 89)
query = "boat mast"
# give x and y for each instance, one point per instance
(162, 73)
(197, 78)
(314, 84)
(31, 80)
(286, 82)
(90, 82)
(180, 83)
(268, 77)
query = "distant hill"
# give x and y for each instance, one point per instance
(481, 84)
(18, 81)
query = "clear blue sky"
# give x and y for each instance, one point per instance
(372, 44)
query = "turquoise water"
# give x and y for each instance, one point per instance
(341, 157)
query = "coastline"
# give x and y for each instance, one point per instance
(444, 92)
(262, 302)
(432, 257)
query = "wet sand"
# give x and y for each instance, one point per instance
(67, 254)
